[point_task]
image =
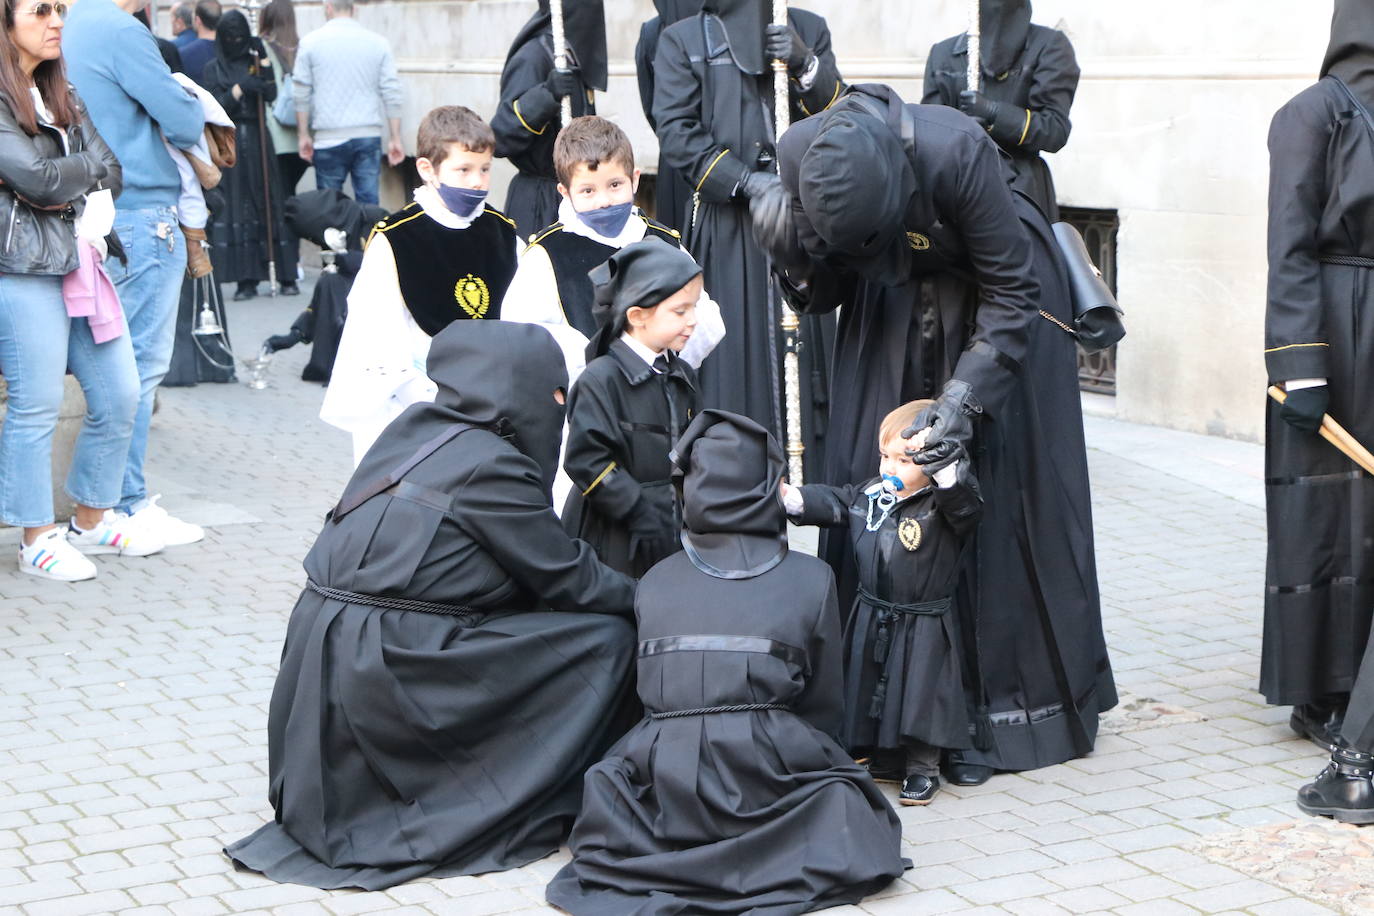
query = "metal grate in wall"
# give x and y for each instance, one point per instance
(1097, 372)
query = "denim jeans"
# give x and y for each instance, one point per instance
(38, 343)
(361, 158)
(149, 289)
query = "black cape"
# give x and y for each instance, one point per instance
(1037, 660)
(1319, 582)
(527, 119)
(756, 810)
(1036, 86)
(904, 675)
(715, 123)
(238, 230)
(673, 195)
(403, 743)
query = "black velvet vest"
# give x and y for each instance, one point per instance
(572, 256)
(446, 274)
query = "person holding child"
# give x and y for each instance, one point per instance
(732, 795)
(630, 406)
(455, 661)
(447, 256)
(909, 528)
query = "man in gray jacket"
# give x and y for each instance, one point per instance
(347, 91)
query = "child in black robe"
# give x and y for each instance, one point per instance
(903, 690)
(631, 404)
(732, 795)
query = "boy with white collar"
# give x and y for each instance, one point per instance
(445, 257)
(597, 180)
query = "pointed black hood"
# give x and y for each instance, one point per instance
(233, 37)
(1350, 55)
(584, 27)
(727, 469)
(670, 11)
(745, 22)
(639, 275)
(1004, 26)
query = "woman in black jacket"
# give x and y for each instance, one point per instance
(51, 158)
(239, 78)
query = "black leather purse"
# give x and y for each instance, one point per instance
(1096, 315)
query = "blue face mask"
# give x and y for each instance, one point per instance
(893, 483)
(464, 202)
(608, 222)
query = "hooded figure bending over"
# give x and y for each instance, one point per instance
(732, 795)
(455, 660)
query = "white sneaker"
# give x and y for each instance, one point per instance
(115, 534)
(154, 521)
(51, 557)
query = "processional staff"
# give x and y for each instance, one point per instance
(560, 49)
(975, 46)
(791, 364)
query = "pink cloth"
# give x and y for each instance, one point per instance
(90, 294)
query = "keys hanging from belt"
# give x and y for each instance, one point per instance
(164, 231)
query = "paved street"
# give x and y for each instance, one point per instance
(133, 747)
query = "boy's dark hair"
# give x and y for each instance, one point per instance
(450, 124)
(590, 141)
(900, 419)
(208, 12)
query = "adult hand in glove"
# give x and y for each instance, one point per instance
(979, 107)
(950, 420)
(782, 42)
(561, 83)
(1305, 407)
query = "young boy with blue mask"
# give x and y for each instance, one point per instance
(445, 257)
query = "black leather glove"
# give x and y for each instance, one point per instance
(561, 83)
(282, 341)
(950, 420)
(1305, 408)
(756, 184)
(782, 42)
(979, 107)
(947, 452)
(770, 212)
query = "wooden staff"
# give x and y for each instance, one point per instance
(788, 322)
(560, 49)
(1337, 435)
(975, 46)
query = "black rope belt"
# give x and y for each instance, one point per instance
(462, 611)
(923, 609)
(1347, 260)
(712, 710)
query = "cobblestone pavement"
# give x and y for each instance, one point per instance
(132, 736)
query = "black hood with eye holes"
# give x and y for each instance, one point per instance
(1003, 26)
(745, 22)
(584, 28)
(233, 37)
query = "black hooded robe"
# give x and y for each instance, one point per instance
(1032, 71)
(238, 230)
(528, 118)
(673, 195)
(403, 743)
(715, 121)
(1037, 660)
(1319, 593)
(732, 795)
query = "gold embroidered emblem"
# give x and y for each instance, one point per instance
(473, 296)
(918, 242)
(909, 533)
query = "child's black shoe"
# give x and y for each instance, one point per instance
(918, 789)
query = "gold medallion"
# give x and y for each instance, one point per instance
(473, 296)
(918, 242)
(909, 533)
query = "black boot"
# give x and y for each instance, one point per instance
(961, 773)
(1343, 790)
(1320, 721)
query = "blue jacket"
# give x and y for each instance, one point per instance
(114, 62)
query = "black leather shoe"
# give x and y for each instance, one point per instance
(918, 789)
(967, 774)
(245, 292)
(1319, 722)
(1343, 790)
(882, 771)
(290, 289)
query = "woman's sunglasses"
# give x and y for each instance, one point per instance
(45, 9)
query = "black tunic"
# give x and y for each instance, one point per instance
(732, 810)
(526, 124)
(403, 743)
(1319, 592)
(238, 230)
(714, 123)
(451, 274)
(623, 420)
(1036, 93)
(1036, 657)
(903, 672)
(572, 256)
(322, 322)
(673, 193)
